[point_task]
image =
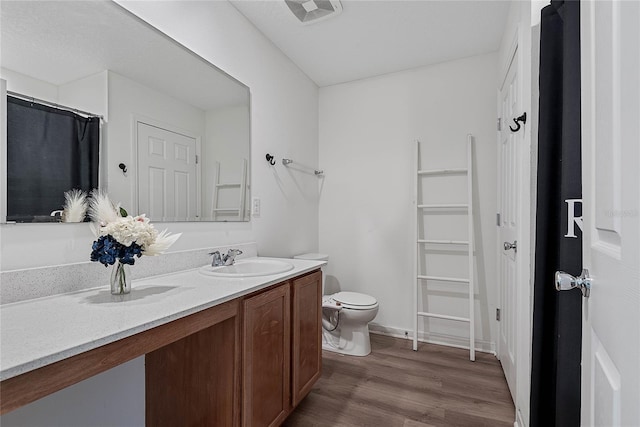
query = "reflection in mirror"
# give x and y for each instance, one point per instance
(67, 145)
(175, 136)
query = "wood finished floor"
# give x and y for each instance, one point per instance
(396, 386)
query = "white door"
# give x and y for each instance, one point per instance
(508, 150)
(166, 174)
(610, 52)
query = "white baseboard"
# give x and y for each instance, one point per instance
(433, 338)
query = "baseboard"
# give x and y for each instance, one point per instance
(433, 338)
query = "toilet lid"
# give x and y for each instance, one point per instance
(354, 299)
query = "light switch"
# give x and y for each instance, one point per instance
(255, 207)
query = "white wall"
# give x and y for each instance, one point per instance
(367, 134)
(284, 122)
(112, 398)
(87, 94)
(26, 85)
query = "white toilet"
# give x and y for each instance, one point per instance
(345, 318)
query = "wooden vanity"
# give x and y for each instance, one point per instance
(251, 367)
(246, 361)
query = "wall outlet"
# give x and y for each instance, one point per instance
(255, 207)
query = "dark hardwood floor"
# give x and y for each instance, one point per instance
(396, 386)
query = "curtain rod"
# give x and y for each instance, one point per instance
(53, 104)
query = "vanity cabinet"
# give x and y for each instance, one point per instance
(247, 361)
(266, 357)
(195, 381)
(306, 325)
(281, 349)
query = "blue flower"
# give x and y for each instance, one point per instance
(107, 250)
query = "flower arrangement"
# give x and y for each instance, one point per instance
(121, 238)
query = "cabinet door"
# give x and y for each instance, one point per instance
(307, 334)
(266, 358)
(195, 381)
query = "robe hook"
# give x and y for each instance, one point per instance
(522, 118)
(270, 159)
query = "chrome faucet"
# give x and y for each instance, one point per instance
(217, 259)
(230, 257)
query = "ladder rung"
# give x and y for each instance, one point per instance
(443, 316)
(442, 171)
(444, 242)
(444, 206)
(226, 210)
(444, 279)
(227, 185)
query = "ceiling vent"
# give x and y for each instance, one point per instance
(311, 11)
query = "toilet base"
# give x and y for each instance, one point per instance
(352, 342)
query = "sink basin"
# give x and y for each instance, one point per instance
(248, 268)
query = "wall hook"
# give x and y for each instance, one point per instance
(270, 159)
(123, 167)
(522, 118)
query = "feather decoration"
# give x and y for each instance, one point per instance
(101, 210)
(75, 206)
(163, 241)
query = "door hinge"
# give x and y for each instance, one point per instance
(499, 126)
(498, 219)
(498, 314)
(197, 159)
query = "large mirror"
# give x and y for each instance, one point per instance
(174, 130)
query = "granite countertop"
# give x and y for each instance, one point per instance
(41, 331)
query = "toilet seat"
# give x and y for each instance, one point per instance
(355, 300)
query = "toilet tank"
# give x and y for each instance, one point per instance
(315, 257)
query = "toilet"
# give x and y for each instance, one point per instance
(345, 318)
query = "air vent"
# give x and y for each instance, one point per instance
(311, 11)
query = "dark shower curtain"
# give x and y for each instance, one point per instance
(557, 333)
(49, 151)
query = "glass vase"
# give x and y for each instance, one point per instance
(120, 279)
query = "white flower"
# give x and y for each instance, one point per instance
(127, 230)
(131, 229)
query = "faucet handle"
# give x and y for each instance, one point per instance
(230, 257)
(217, 259)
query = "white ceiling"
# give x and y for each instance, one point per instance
(371, 38)
(62, 41)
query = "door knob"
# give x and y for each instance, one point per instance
(565, 282)
(513, 246)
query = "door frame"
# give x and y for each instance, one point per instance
(511, 64)
(138, 118)
(521, 45)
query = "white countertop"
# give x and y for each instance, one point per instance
(41, 331)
